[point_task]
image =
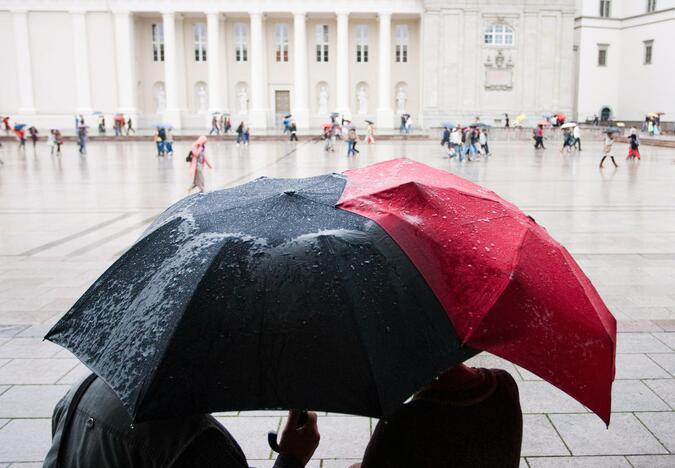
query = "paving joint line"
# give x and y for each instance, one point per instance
(636, 416)
(108, 238)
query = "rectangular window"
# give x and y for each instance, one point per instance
(361, 43)
(649, 46)
(157, 42)
(605, 7)
(321, 42)
(651, 6)
(401, 49)
(240, 52)
(602, 55)
(199, 34)
(282, 42)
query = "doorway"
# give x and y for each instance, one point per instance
(282, 106)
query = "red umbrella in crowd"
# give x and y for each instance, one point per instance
(506, 285)
(343, 292)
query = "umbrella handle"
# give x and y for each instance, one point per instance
(272, 435)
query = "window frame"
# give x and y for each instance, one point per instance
(321, 35)
(157, 40)
(401, 37)
(499, 35)
(648, 56)
(240, 42)
(651, 6)
(605, 8)
(362, 43)
(281, 39)
(603, 51)
(199, 37)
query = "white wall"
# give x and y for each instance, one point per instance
(102, 66)
(9, 89)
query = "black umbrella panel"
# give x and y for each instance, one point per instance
(261, 296)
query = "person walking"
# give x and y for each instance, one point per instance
(33, 135)
(287, 125)
(445, 138)
(470, 139)
(130, 127)
(228, 125)
(247, 134)
(370, 133)
(58, 140)
(455, 144)
(5, 123)
(607, 151)
(293, 129)
(214, 126)
(634, 145)
(21, 136)
(539, 137)
(401, 128)
(327, 138)
(576, 133)
(198, 160)
(483, 140)
(351, 142)
(160, 139)
(568, 140)
(168, 143)
(82, 139)
(506, 117)
(240, 133)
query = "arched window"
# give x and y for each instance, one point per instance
(498, 34)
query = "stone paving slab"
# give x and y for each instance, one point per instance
(664, 389)
(31, 401)
(652, 461)
(640, 343)
(633, 395)
(586, 434)
(28, 348)
(540, 437)
(638, 366)
(251, 433)
(25, 440)
(667, 338)
(578, 462)
(542, 397)
(35, 371)
(662, 425)
(666, 361)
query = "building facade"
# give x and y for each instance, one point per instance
(625, 58)
(178, 61)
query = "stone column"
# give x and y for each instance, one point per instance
(23, 62)
(342, 62)
(81, 49)
(172, 113)
(300, 78)
(124, 56)
(213, 61)
(258, 109)
(385, 114)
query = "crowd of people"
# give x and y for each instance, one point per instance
(470, 141)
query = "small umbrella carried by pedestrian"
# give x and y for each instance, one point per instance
(334, 114)
(483, 125)
(369, 122)
(164, 125)
(521, 118)
(448, 124)
(327, 125)
(344, 293)
(547, 115)
(545, 123)
(288, 116)
(19, 126)
(613, 130)
(568, 125)
(97, 113)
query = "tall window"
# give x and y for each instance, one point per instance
(321, 43)
(361, 43)
(282, 42)
(651, 6)
(605, 7)
(649, 46)
(602, 55)
(157, 42)
(401, 34)
(199, 34)
(498, 34)
(240, 52)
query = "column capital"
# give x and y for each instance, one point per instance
(342, 13)
(384, 15)
(300, 14)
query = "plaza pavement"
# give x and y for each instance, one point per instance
(64, 220)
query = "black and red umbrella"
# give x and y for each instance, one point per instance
(343, 293)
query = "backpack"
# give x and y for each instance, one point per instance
(188, 158)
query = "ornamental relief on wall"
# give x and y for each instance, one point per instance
(499, 72)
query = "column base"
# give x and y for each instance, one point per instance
(172, 116)
(385, 119)
(301, 117)
(258, 119)
(26, 110)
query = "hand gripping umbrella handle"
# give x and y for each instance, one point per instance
(272, 435)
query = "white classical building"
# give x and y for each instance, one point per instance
(625, 58)
(178, 61)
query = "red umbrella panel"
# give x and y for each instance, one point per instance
(505, 284)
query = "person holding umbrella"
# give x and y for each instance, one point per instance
(293, 129)
(287, 123)
(351, 141)
(82, 139)
(609, 143)
(328, 137)
(539, 136)
(455, 144)
(198, 160)
(634, 145)
(130, 126)
(33, 135)
(20, 135)
(445, 137)
(214, 125)
(5, 123)
(370, 132)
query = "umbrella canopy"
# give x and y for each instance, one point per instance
(19, 126)
(560, 116)
(166, 126)
(327, 125)
(653, 114)
(370, 122)
(119, 117)
(97, 113)
(620, 124)
(288, 116)
(334, 114)
(547, 115)
(338, 293)
(568, 125)
(448, 124)
(521, 118)
(545, 123)
(613, 130)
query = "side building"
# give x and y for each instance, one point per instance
(625, 59)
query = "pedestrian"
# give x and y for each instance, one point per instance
(401, 128)
(5, 123)
(408, 124)
(351, 142)
(198, 160)
(607, 151)
(470, 138)
(58, 140)
(370, 133)
(247, 134)
(21, 136)
(228, 125)
(634, 145)
(455, 144)
(465, 418)
(240, 133)
(214, 126)
(101, 124)
(51, 143)
(596, 120)
(130, 126)
(568, 140)
(82, 139)
(327, 138)
(576, 133)
(539, 137)
(650, 127)
(445, 138)
(91, 428)
(483, 141)
(286, 124)
(221, 123)
(168, 143)
(160, 139)
(293, 129)
(33, 135)
(506, 117)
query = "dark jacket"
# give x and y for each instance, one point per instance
(101, 435)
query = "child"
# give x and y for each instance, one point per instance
(609, 141)
(634, 143)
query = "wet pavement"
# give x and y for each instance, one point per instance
(64, 220)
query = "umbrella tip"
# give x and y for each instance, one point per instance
(289, 192)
